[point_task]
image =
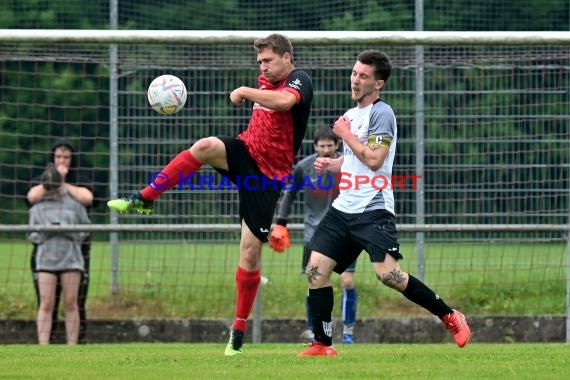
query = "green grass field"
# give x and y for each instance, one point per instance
(197, 280)
(279, 361)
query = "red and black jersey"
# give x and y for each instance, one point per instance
(273, 138)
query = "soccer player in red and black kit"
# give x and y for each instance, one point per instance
(263, 152)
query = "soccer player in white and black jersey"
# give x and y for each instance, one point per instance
(363, 215)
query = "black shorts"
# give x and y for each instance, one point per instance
(307, 256)
(58, 272)
(258, 195)
(343, 236)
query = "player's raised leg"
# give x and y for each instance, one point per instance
(208, 150)
(391, 275)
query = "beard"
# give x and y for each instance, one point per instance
(361, 95)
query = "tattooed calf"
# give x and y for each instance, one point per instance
(393, 279)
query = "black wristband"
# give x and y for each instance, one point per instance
(282, 222)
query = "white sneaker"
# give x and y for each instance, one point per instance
(308, 336)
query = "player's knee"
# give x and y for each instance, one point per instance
(204, 146)
(347, 283)
(317, 276)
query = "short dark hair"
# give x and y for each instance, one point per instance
(380, 61)
(277, 42)
(63, 144)
(324, 133)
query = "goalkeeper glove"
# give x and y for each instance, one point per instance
(279, 238)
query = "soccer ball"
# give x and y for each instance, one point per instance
(167, 94)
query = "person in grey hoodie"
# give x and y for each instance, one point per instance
(64, 157)
(58, 254)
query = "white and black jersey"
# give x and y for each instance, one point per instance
(374, 126)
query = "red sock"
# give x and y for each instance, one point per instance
(179, 168)
(246, 284)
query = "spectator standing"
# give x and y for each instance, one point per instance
(58, 254)
(63, 157)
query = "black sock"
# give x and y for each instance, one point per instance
(419, 293)
(321, 305)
